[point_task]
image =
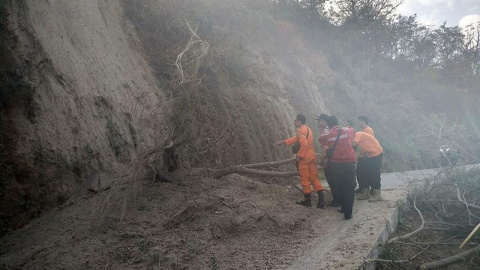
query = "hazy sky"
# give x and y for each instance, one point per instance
(438, 11)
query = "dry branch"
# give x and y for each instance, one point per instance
(470, 235)
(268, 164)
(231, 170)
(408, 235)
(194, 40)
(248, 169)
(450, 260)
(385, 261)
(459, 197)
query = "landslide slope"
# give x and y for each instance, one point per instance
(77, 97)
(92, 86)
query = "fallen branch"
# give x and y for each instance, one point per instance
(420, 247)
(231, 170)
(419, 253)
(68, 202)
(408, 235)
(470, 235)
(244, 169)
(268, 164)
(386, 261)
(459, 198)
(450, 260)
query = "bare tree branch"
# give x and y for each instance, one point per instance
(421, 228)
(200, 53)
(459, 197)
(450, 260)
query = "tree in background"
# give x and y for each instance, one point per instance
(362, 13)
(311, 6)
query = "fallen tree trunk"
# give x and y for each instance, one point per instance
(239, 169)
(268, 164)
(249, 169)
(450, 260)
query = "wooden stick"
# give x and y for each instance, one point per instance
(470, 235)
(268, 164)
(450, 260)
(248, 169)
(231, 170)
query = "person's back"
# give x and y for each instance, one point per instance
(307, 150)
(306, 162)
(369, 167)
(342, 162)
(368, 144)
(344, 152)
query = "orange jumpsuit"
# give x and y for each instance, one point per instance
(307, 166)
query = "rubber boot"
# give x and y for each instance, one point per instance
(321, 199)
(306, 201)
(364, 195)
(377, 196)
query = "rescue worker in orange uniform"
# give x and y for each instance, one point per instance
(372, 162)
(362, 175)
(364, 125)
(307, 162)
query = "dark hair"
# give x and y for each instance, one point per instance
(332, 121)
(323, 117)
(364, 119)
(301, 118)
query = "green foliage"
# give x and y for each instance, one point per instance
(362, 14)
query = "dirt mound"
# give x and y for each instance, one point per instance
(199, 223)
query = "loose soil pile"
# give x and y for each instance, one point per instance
(196, 223)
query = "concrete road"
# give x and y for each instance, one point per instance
(341, 244)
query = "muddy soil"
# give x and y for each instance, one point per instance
(195, 223)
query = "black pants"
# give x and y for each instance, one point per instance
(331, 182)
(372, 172)
(362, 179)
(344, 176)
